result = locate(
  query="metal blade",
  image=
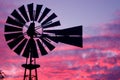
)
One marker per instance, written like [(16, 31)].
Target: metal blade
[(42, 49), (12, 29), (18, 16), (49, 45), (38, 9), (54, 24), (13, 22), (20, 47), (45, 12), (30, 10), (24, 13), (12, 36), (13, 43), (51, 17), (69, 31), (26, 52), (34, 52)]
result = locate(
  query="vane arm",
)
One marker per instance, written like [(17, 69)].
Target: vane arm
[(33, 16), (41, 26), (38, 27)]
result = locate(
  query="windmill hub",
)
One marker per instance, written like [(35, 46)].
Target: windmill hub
[(32, 29)]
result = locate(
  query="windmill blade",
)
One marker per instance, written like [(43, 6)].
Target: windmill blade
[(51, 17), (45, 12), (54, 24), (69, 31), (13, 43), (14, 22), (16, 15), (42, 49), (20, 47), (30, 49), (24, 13), (34, 52), (49, 45), (26, 52), (12, 35), (12, 29), (30, 10), (38, 9), (76, 41)]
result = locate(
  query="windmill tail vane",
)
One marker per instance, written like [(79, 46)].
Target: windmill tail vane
[(29, 32)]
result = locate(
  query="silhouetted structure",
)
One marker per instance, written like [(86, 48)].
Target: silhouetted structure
[(39, 38), (2, 75)]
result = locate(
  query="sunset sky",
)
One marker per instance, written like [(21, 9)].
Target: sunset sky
[(99, 59)]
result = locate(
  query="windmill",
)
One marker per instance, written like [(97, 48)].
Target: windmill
[(28, 32)]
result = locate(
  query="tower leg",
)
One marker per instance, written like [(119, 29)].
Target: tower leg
[(25, 70), (36, 74), (30, 71), (30, 75), (24, 74), (35, 70)]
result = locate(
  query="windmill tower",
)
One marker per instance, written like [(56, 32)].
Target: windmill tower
[(27, 32)]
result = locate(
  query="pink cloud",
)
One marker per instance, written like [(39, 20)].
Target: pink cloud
[(98, 57)]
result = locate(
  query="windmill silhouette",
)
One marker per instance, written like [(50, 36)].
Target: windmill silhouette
[(28, 32)]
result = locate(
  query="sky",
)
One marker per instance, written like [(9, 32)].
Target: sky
[(99, 59)]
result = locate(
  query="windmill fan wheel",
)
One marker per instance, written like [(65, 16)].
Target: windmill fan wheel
[(28, 31), (24, 30)]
